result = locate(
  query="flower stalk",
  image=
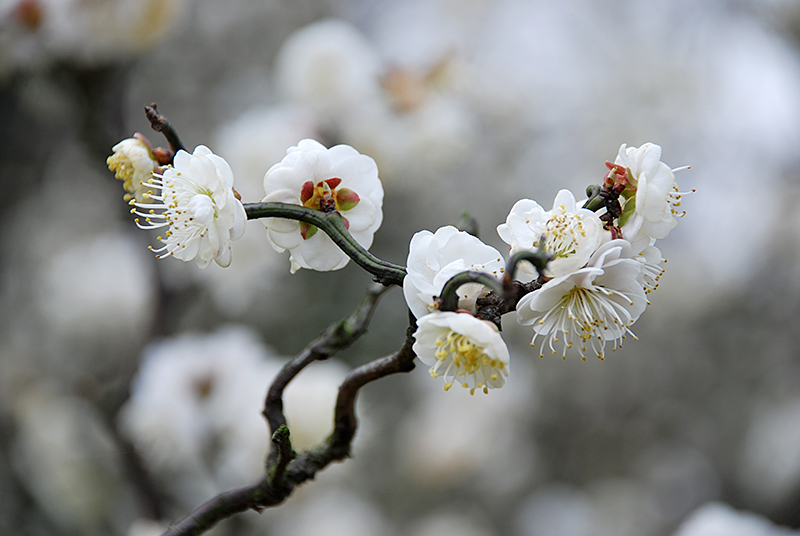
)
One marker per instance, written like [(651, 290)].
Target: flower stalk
[(448, 300)]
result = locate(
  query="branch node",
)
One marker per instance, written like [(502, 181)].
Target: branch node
[(285, 455)]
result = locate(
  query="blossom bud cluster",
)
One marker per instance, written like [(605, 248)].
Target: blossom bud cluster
[(602, 264)]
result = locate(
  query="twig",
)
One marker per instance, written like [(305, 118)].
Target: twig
[(159, 123), (346, 423), (448, 300)]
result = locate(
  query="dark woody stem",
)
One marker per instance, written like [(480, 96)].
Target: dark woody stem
[(338, 336), (332, 224), (159, 123), (538, 258), (448, 301), (288, 470)]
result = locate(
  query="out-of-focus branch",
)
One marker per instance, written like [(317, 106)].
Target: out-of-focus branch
[(277, 485), (384, 272), (337, 337), (162, 124)]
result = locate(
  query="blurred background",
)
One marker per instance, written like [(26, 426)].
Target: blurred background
[(131, 388)]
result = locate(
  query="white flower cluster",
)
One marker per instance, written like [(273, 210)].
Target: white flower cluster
[(192, 401), (602, 258), (39, 32), (592, 290), (195, 201)]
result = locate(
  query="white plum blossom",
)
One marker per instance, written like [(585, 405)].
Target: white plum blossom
[(338, 179), (571, 234), (592, 305), (651, 260), (433, 258), (133, 163), (330, 67), (37, 32), (191, 409), (462, 349), (198, 206), (651, 199)]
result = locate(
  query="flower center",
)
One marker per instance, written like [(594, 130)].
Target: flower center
[(326, 196), (202, 208), (590, 317), (563, 232), (457, 351)]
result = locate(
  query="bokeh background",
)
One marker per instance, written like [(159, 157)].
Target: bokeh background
[(130, 388)]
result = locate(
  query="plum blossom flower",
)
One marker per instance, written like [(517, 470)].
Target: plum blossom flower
[(329, 67), (571, 234), (190, 410), (651, 259), (133, 163), (337, 179), (463, 349), (433, 258), (651, 199), (198, 206), (592, 305), (38, 32)]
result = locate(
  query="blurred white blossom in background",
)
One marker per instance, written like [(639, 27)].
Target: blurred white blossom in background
[(90, 32), (463, 105), (194, 413), (716, 519)]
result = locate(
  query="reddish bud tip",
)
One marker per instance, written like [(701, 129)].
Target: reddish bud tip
[(30, 14), (163, 156), (307, 191)]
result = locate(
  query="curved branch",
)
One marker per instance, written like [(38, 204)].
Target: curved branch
[(337, 337), (448, 301), (273, 489), (332, 224), (345, 423), (538, 259)]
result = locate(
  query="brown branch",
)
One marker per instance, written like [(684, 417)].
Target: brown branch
[(159, 123), (337, 337), (493, 306), (277, 485), (346, 423)]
